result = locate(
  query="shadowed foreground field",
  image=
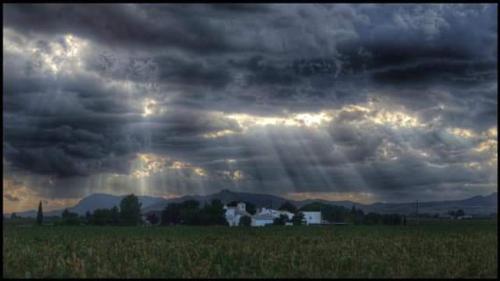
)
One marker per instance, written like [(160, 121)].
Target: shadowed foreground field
[(453, 249)]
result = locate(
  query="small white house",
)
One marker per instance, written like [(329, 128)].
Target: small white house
[(262, 220), (234, 214), (312, 217)]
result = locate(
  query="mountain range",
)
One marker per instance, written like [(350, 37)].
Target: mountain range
[(477, 205)]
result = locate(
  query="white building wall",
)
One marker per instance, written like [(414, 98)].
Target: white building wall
[(261, 222), (312, 217), (236, 220), (231, 217), (242, 206), (288, 214)]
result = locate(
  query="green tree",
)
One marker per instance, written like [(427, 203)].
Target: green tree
[(152, 218), (245, 221), (65, 213), (372, 218), (352, 215), (250, 208), (39, 215), (214, 213), (114, 216), (130, 210), (70, 218), (281, 220), (287, 206), (171, 214), (189, 213), (358, 216), (298, 219), (232, 203), (101, 217), (88, 217), (13, 216), (329, 213), (391, 219)]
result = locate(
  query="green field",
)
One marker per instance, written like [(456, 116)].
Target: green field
[(452, 249)]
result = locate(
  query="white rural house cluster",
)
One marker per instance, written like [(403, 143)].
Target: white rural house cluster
[(234, 214), (265, 216)]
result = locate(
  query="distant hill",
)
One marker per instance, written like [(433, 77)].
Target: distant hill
[(226, 196), (477, 205), (100, 200), (93, 202)]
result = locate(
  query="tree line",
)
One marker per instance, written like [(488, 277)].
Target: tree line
[(340, 214), (190, 212), (129, 213)]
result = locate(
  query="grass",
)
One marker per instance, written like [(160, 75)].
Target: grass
[(451, 250)]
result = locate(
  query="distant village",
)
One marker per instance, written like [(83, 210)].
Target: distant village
[(265, 216)]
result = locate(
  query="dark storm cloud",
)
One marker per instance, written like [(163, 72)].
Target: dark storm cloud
[(116, 25), (192, 73), (163, 79)]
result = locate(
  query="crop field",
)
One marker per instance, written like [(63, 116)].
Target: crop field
[(452, 249)]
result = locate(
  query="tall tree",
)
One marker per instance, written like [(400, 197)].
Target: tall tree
[(88, 217), (214, 213), (250, 208), (352, 214), (130, 210), (190, 212), (171, 214), (245, 221), (287, 206), (152, 218), (298, 219), (39, 215), (101, 217), (232, 203), (281, 220), (114, 215), (70, 218)]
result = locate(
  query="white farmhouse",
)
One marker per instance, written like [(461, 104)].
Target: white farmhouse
[(312, 217), (234, 214), (275, 213), (265, 216)]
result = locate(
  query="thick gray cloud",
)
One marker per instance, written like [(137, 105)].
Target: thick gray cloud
[(398, 101)]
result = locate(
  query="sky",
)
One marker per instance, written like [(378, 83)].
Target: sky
[(361, 102)]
